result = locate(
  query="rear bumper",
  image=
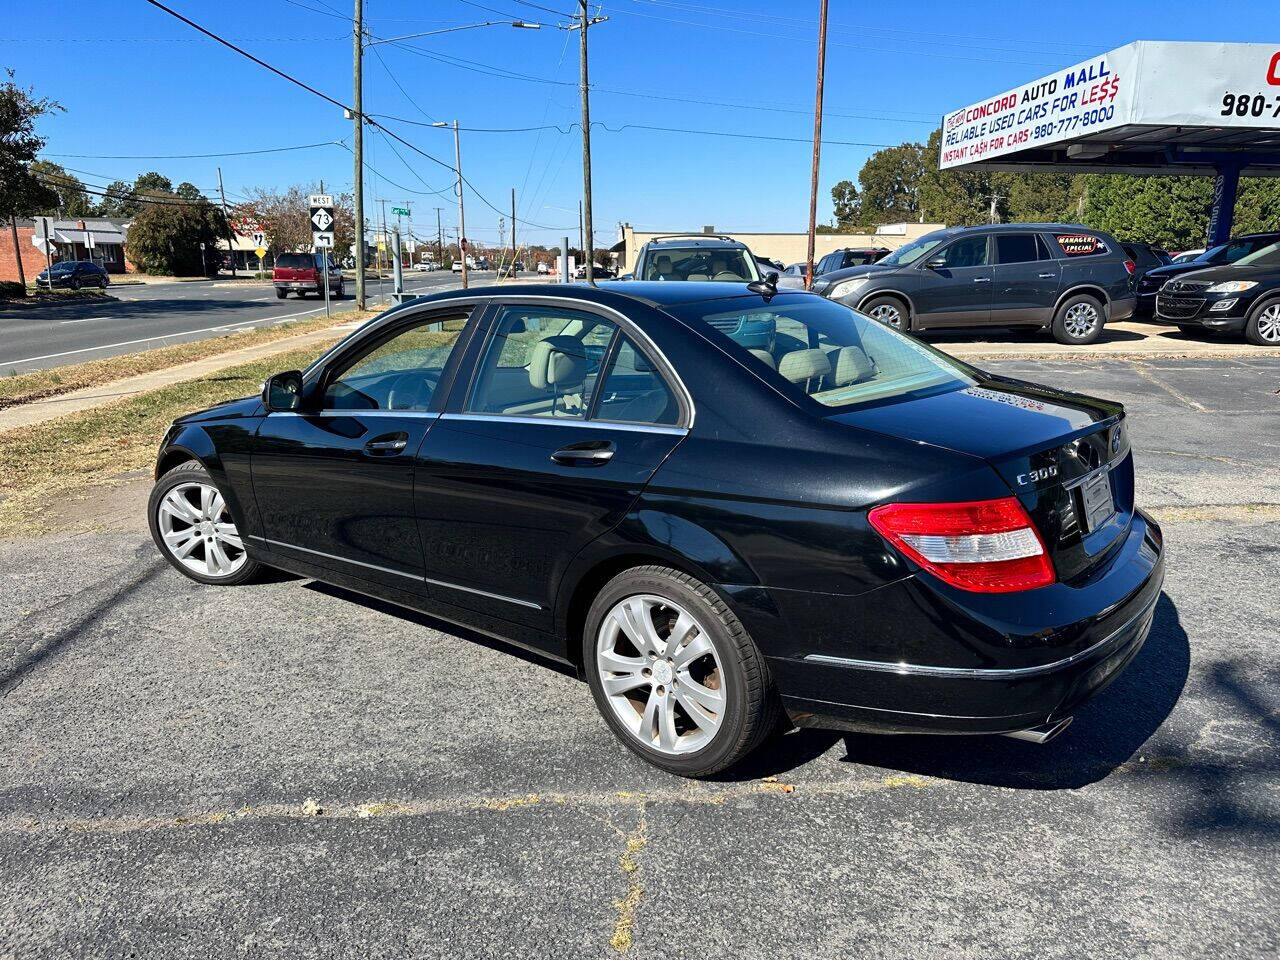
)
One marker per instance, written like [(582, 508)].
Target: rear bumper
[(838, 691), (1122, 308)]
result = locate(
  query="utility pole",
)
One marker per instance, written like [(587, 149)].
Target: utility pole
[(580, 233), (462, 217), (993, 217), (17, 256), (584, 20), (357, 116), (817, 144), (231, 245), (439, 241), (513, 231), (386, 245)]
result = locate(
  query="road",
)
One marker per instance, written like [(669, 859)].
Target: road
[(155, 315), (161, 741)]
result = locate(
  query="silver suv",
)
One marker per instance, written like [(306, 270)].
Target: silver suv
[(698, 257)]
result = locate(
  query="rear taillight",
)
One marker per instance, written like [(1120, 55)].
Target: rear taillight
[(988, 546), (1129, 265)]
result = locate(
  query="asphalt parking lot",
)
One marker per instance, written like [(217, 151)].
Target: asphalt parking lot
[(288, 770)]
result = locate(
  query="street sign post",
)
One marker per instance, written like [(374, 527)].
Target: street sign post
[(322, 235)]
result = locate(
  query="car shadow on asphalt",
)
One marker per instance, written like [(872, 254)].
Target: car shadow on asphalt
[(1000, 336), (1105, 733)]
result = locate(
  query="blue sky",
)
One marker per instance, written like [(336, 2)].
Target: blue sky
[(135, 81)]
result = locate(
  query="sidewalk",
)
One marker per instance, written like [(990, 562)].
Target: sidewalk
[(50, 408)]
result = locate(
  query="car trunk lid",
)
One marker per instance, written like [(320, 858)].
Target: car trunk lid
[(295, 266), (1064, 456)]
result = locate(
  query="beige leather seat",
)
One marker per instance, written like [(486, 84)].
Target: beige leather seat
[(766, 358), (806, 368), (850, 365), (558, 365)]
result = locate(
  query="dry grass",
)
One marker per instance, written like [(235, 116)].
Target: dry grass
[(94, 447), (26, 387)]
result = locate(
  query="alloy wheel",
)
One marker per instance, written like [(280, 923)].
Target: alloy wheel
[(198, 531), (661, 674), (1080, 320), (1269, 324), (888, 314)]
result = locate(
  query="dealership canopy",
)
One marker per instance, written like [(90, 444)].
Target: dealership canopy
[(1148, 107)]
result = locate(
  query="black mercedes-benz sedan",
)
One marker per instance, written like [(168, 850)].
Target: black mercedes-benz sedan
[(718, 503)]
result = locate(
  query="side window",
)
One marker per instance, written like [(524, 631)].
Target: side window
[(1042, 248), (824, 265), (399, 374), (1016, 248), (540, 362), (632, 391), (967, 252)]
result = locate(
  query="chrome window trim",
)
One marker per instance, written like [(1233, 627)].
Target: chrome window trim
[(626, 324), (336, 412), (982, 673), (569, 422), (399, 573)]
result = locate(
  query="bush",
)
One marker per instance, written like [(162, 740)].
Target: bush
[(12, 290)]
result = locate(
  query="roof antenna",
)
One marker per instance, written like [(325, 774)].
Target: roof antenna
[(767, 288)]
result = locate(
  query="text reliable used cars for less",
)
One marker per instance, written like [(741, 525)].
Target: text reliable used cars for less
[(1068, 278), (845, 524)]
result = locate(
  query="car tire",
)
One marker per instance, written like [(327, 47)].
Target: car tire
[(342, 290), (1079, 320), (281, 294), (102, 283), (1263, 328), (193, 529), (890, 311), (75, 283), (736, 711)]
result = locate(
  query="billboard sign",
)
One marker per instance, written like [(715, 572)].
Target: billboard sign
[(1147, 83)]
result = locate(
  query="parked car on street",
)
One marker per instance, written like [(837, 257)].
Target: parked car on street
[(1187, 255), (426, 266), (847, 526), (698, 257), (1222, 255), (848, 257), (301, 273), (1229, 298), (597, 272), (1068, 278), (75, 274), (544, 268), (456, 267)]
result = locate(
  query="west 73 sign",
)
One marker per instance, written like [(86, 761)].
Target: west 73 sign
[(1145, 84), (322, 220)]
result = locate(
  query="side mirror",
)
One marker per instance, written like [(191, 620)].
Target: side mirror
[(625, 276), (283, 391), (937, 264)]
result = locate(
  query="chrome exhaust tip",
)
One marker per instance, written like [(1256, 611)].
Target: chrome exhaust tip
[(1043, 733)]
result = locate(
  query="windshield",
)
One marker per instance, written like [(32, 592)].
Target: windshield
[(700, 263), (824, 350), (295, 261), (64, 266), (1265, 257), (913, 251), (1233, 250)]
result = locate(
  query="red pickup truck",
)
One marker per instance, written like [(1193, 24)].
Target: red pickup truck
[(300, 273)]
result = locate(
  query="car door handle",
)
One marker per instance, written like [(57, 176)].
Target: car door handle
[(1047, 276), (388, 443), (981, 279), (592, 453)]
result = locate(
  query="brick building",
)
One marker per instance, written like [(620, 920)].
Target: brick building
[(68, 239)]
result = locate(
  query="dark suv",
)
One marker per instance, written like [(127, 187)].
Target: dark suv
[(1150, 283), (1230, 298), (1067, 277), (849, 257)]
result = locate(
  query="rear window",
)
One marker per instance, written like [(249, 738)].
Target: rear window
[(295, 261), (699, 263), (1081, 244), (821, 349)]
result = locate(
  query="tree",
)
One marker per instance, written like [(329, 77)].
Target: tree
[(22, 193), (890, 182), (285, 218), (167, 232), (117, 201), (189, 191), (847, 205), (72, 200), (152, 181)]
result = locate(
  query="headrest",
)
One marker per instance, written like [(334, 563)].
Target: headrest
[(557, 362), (765, 357), (664, 263), (852, 365), (801, 365)]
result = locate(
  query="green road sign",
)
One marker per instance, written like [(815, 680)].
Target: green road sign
[(400, 211)]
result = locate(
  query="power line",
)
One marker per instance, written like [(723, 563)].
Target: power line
[(190, 156), (325, 13), (412, 102)]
